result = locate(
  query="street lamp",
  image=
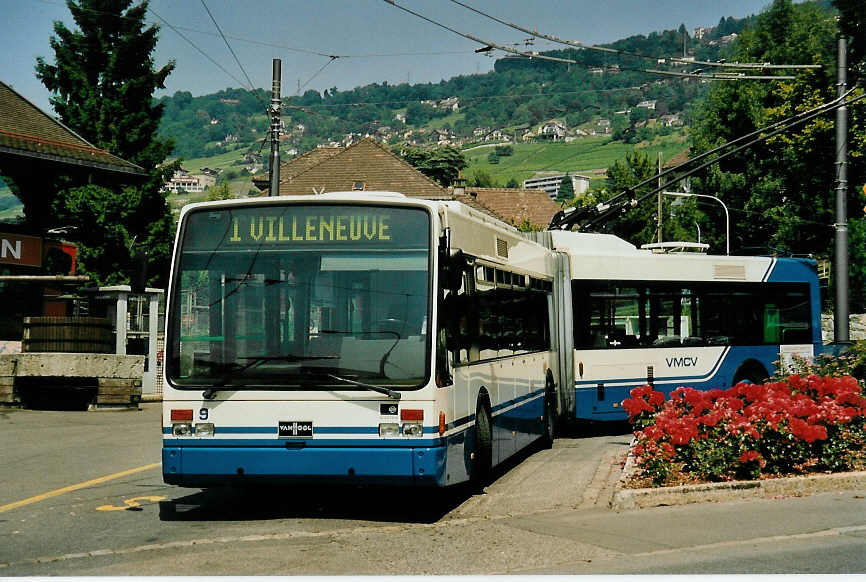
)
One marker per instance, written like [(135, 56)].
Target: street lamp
[(727, 216)]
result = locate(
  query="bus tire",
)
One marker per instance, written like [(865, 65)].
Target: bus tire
[(752, 373), (482, 463), (549, 426)]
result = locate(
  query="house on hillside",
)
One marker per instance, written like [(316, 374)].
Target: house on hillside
[(495, 135), (451, 103), (183, 181), (671, 120), (553, 130)]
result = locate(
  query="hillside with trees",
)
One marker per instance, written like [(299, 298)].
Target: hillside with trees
[(598, 95)]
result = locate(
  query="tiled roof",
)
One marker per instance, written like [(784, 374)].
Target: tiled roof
[(27, 131), (297, 166), (512, 205), (678, 159), (367, 162)]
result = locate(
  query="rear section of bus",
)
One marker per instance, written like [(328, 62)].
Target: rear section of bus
[(299, 344)]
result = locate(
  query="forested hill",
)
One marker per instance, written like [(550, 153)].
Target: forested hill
[(516, 97)]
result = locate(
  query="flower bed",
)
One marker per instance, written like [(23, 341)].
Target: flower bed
[(796, 426)]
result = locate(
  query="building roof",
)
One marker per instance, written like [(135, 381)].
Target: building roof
[(680, 158), (26, 131), (297, 165), (364, 162), (513, 205)]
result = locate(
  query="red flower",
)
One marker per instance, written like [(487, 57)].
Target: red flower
[(643, 399), (749, 456), (808, 432)]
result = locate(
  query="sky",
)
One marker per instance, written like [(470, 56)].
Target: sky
[(374, 40)]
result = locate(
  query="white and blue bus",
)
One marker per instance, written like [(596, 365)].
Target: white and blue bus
[(629, 316), (354, 338)]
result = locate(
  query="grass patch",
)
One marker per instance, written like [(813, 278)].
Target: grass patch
[(589, 156)]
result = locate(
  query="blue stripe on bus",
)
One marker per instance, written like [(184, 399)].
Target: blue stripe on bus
[(513, 401)]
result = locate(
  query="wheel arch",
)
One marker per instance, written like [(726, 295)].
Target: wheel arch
[(751, 370)]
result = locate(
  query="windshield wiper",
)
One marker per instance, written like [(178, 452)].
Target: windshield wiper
[(256, 360), (373, 387)]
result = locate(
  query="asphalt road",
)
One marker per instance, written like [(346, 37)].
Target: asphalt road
[(81, 493)]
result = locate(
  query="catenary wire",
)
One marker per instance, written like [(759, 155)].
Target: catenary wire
[(487, 43), (231, 50), (629, 53)]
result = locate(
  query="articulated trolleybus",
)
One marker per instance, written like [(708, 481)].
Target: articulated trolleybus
[(636, 316), (354, 338)]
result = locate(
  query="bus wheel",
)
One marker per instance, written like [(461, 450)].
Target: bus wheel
[(482, 463), (549, 421), (751, 373)]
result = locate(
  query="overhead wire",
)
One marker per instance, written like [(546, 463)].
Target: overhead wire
[(231, 50), (487, 44), (271, 44), (568, 218), (195, 46), (577, 44)]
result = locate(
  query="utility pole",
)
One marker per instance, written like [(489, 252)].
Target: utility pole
[(840, 269), (659, 220), (274, 189)]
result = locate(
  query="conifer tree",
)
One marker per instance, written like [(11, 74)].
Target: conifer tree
[(566, 188), (102, 82)]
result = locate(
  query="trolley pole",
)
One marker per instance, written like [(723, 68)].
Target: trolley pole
[(274, 189), (840, 269), (659, 219)]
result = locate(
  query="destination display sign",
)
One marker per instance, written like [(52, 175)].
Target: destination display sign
[(287, 226)]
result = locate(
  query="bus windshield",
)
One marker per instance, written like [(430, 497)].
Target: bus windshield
[(294, 296)]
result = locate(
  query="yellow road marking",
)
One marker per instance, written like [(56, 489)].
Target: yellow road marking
[(132, 502), (75, 487)]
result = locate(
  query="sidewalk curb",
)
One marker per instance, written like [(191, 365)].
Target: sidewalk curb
[(624, 499)]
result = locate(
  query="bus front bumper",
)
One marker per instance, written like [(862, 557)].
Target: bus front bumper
[(211, 466)]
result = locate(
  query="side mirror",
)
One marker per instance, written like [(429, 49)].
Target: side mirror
[(453, 268), (138, 281)]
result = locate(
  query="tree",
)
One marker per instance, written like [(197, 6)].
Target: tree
[(566, 188), (638, 224), (219, 192), (781, 192), (441, 164), (481, 179), (852, 23), (102, 84)]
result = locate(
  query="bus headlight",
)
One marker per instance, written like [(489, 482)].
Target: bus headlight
[(204, 429), (181, 429), (413, 429), (389, 429)]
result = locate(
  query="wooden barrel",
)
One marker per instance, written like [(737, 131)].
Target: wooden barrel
[(68, 334)]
